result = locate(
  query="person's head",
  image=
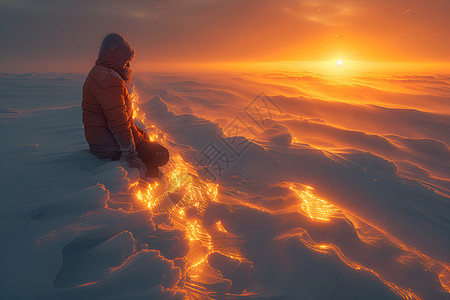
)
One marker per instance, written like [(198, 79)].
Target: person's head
[(116, 53)]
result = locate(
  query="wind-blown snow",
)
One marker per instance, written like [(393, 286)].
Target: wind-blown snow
[(340, 191)]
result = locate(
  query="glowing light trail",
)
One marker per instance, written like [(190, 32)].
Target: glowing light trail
[(322, 211), (180, 191)]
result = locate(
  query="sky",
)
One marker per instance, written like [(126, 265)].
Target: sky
[(54, 35)]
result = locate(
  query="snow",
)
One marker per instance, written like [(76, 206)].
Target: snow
[(340, 191)]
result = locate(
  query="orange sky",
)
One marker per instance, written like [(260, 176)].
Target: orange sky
[(52, 35)]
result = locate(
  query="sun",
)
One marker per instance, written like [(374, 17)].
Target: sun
[(339, 62)]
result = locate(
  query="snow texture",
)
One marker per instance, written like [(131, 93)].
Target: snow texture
[(381, 158)]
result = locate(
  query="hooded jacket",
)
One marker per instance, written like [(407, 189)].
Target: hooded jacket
[(107, 108)]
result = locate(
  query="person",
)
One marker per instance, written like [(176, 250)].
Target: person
[(108, 113)]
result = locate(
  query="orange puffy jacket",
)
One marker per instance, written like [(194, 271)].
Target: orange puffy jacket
[(108, 114)]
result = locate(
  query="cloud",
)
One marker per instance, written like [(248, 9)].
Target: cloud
[(52, 34)]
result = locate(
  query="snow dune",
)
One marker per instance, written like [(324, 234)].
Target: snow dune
[(319, 188)]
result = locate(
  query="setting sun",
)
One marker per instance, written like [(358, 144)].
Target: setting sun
[(339, 62)]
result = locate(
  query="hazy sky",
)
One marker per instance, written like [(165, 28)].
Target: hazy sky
[(62, 35)]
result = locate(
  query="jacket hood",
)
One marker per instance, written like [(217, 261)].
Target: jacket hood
[(115, 52)]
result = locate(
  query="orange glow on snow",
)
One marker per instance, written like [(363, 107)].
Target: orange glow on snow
[(179, 192), (315, 208), (220, 227), (321, 210)]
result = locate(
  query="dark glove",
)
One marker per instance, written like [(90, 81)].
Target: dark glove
[(135, 161)]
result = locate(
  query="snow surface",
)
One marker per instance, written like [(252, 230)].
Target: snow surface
[(374, 147)]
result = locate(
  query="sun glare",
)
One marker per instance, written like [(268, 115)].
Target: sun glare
[(339, 62)]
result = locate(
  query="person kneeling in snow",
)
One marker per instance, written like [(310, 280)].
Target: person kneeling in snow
[(108, 114)]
